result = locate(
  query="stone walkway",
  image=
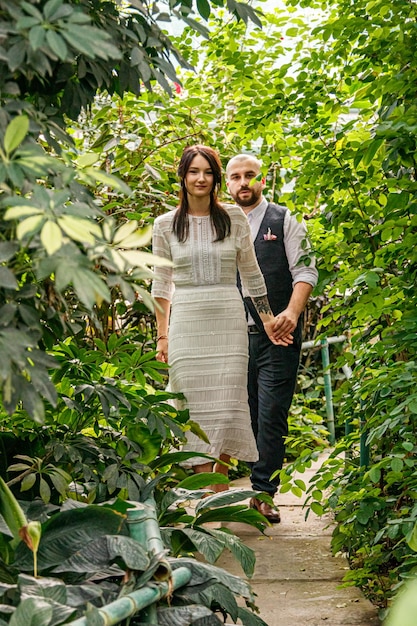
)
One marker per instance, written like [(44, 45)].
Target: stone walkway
[(297, 580)]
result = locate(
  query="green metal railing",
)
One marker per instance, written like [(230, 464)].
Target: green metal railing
[(323, 344)]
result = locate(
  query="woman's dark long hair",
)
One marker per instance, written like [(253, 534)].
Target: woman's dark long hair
[(218, 215)]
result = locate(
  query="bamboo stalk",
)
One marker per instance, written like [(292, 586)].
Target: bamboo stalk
[(136, 601)]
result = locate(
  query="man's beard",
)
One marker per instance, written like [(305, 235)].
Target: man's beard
[(248, 200)]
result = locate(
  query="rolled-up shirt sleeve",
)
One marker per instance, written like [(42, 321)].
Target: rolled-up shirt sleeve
[(301, 260), (162, 283)]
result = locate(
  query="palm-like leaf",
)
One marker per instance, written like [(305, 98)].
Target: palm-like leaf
[(224, 498), (204, 574), (239, 513)]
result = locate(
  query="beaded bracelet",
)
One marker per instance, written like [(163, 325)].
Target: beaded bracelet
[(161, 337)]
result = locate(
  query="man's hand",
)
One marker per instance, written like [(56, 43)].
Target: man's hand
[(285, 323)]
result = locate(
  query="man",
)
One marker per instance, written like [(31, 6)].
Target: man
[(282, 248)]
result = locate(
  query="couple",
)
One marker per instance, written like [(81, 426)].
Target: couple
[(204, 326)]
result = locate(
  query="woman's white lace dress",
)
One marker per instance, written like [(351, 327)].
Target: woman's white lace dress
[(208, 343)]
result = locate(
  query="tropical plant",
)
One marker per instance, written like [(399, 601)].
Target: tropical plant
[(75, 559)]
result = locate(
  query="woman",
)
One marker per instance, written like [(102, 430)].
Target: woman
[(203, 334)]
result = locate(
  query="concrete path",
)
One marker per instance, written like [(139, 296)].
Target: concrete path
[(297, 580)]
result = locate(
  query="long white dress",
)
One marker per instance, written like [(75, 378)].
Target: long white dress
[(208, 342)]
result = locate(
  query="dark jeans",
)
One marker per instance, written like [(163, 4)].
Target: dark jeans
[(271, 383)]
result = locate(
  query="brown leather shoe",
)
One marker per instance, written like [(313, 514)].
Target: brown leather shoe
[(271, 513)]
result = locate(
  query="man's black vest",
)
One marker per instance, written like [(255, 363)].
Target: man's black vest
[(272, 259)]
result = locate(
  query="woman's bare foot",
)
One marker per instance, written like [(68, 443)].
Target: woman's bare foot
[(220, 468)]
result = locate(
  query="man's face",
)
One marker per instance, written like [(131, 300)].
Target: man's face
[(239, 177)]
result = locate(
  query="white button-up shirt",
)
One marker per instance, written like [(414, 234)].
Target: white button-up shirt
[(296, 245), (295, 233)]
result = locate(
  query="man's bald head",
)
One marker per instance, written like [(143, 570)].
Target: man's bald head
[(243, 158)]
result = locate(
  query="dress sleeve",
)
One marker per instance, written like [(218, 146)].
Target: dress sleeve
[(253, 283), (162, 284)]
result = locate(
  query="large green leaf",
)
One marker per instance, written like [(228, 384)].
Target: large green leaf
[(7, 278), (52, 8), (7, 250), (16, 131), (239, 513), (219, 595), (37, 36), (207, 545), (65, 532), (89, 287), (404, 607), (11, 511), (224, 498), (84, 231), (244, 555), (249, 618), (57, 44), (203, 479), (32, 612), (22, 210), (150, 443), (51, 236), (52, 590), (98, 554), (29, 227), (204, 574), (203, 8), (93, 175), (412, 538)]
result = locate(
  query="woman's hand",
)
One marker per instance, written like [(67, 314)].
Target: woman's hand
[(162, 350), (285, 340)]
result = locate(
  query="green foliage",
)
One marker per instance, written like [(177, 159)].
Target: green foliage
[(108, 423), (306, 428), (328, 103), (66, 262), (374, 506), (85, 417), (114, 562), (112, 435)]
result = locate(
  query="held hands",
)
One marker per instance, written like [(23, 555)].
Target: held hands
[(280, 328), (277, 338), (284, 323)]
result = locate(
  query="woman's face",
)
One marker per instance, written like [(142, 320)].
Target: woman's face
[(199, 179)]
